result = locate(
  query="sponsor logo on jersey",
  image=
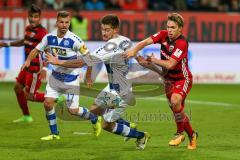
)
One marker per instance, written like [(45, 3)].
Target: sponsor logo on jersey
[(59, 51), (171, 47), (177, 53)]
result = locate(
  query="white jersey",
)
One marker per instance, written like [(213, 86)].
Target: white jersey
[(117, 68), (67, 48)]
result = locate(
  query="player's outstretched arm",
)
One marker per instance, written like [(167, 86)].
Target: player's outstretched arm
[(89, 81), (14, 43), (53, 59), (143, 62), (30, 57), (133, 52), (168, 64)]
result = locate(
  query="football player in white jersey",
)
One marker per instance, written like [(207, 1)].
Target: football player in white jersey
[(66, 45), (117, 95)]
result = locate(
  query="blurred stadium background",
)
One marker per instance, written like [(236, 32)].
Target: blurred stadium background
[(213, 30)]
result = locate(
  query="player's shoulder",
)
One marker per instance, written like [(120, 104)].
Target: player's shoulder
[(42, 28), (162, 33), (73, 36), (119, 39), (181, 40)]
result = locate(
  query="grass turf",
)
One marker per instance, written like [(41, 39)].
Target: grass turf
[(217, 123)]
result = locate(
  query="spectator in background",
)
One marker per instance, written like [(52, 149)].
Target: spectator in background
[(234, 5), (207, 5), (228, 6), (58, 4), (2, 3), (14, 3), (94, 5), (41, 4), (79, 25), (180, 5), (136, 5), (49, 3), (163, 5), (112, 5), (192, 5), (75, 5)]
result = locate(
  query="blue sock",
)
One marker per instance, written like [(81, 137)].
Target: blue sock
[(122, 121), (51, 117), (126, 131), (84, 113)]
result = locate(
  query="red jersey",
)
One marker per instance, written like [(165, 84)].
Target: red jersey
[(176, 49), (31, 39)]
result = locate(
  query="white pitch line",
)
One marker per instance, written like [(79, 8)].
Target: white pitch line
[(81, 133), (195, 102)]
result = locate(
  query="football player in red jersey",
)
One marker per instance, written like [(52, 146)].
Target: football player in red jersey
[(28, 81), (177, 76)]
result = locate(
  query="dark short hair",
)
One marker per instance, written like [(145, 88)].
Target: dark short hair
[(112, 20), (177, 18), (63, 14), (34, 9)]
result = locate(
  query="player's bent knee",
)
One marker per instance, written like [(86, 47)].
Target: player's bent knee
[(17, 88), (108, 126), (73, 111), (48, 104), (176, 100)]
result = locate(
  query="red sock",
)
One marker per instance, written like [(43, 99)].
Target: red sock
[(179, 119), (39, 97), (187, 126), (22, 101)]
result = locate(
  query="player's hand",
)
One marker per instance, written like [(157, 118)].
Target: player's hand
[(151, 58), (89, 82), (128, 54), (25, 65), (141, 60), (3, 44), (52, 59)]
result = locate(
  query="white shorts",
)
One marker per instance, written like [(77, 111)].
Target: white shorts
[(70, 90), (112, 115), (110, 99), (114, 111)]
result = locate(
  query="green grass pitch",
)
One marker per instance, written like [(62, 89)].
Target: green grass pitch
[(214, 111)]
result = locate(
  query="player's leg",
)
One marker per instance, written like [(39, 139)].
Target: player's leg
[(111, 116), (22, 101), (49, 102), (182, 120), (179, 116), (187, 125), (72, 103), (83, 112), (180, 90), (33, 83)]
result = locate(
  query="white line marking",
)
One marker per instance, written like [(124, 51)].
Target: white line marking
[(81, 133), (194, 102)]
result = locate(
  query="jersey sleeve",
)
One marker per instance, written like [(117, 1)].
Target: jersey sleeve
[(80, 47), (180, 50), (43, 44), (157, 37)]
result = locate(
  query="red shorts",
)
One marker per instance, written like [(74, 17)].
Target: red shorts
[(181, 87), (31, 81)]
